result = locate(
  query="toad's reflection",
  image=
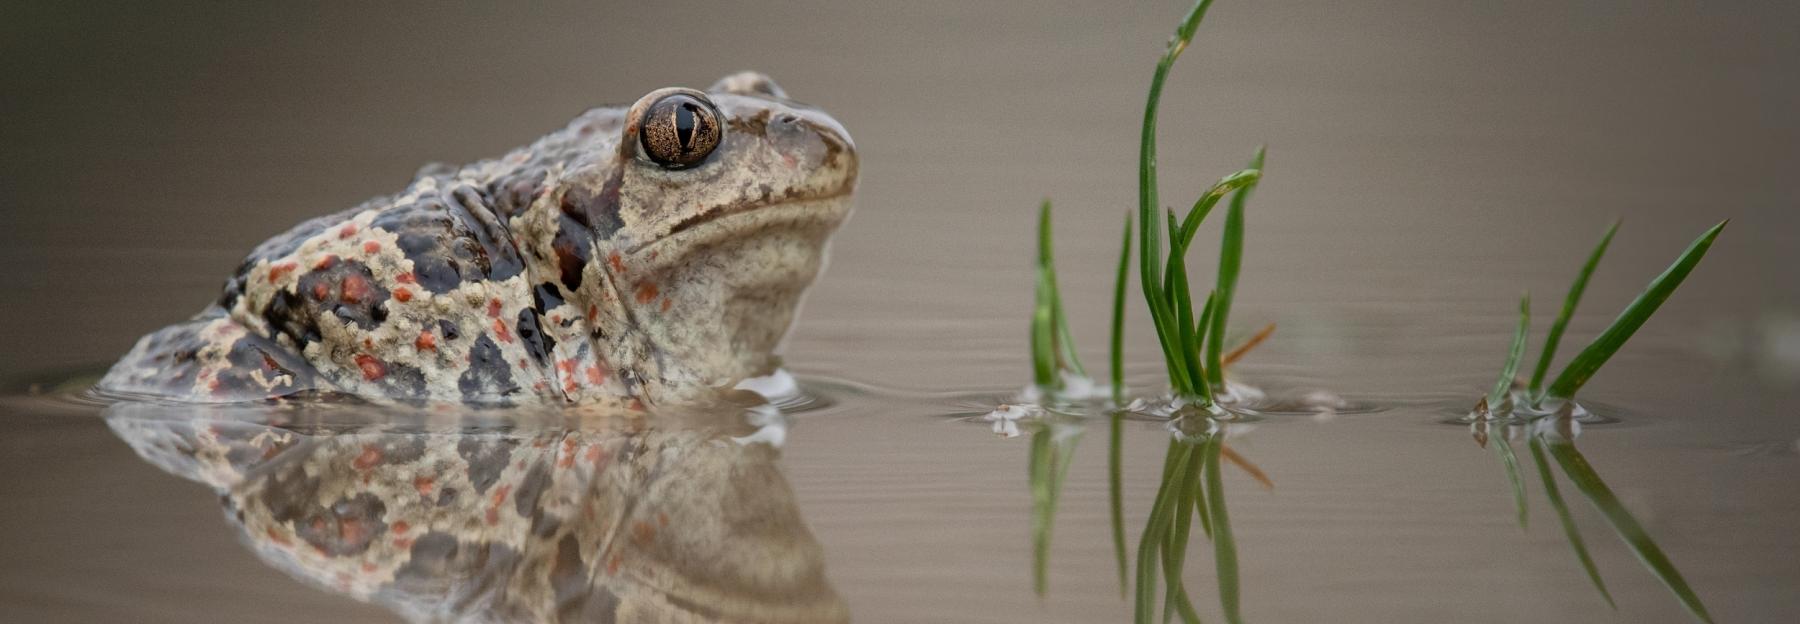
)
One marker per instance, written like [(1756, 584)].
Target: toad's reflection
[(611, 522)]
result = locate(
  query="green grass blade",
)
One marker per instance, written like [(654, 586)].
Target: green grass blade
[(1043, 337), (1576, 468), (1189, 384), (1150, 542), (1049, 466), (1231, 259), (1115, 482), (1175, 558), (1602, 348), (1066, 358), (1195, 351), (1505, 451), (1568, 522), (1118, 340), (1513, 355), (1204, 205), (1535, 389), (1147, 186), (1200, 510), (1115, 448), (1039, 468), (1224, 546)]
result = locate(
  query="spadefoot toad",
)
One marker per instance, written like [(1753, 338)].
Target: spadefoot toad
[(640, 255)]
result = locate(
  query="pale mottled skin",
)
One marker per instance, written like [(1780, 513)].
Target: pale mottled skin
[(615, 519), (572, 270)]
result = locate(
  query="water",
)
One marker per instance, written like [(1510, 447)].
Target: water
[(1427, 162)]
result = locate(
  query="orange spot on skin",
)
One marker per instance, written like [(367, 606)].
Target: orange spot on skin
[(400, 526), (501, 332), (347, 231), (320, 291), (370, 456), (493, 512), (617, 263), (566, 367), (642, 532), (595, 376), (593, 312), (330, 260), (372, 369), (354, 289), (281, 270), (665, 304), (646, 292), (494, 308), (372, 247), (406, 278), (425, 342), (566, 458), (402, 295), (423, 485), (369, 343), (593, 454), (278, 538)]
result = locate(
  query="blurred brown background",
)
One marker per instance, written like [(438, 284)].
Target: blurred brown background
[(1427, 161)]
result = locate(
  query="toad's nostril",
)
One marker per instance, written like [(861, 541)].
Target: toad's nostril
[(788, 119)]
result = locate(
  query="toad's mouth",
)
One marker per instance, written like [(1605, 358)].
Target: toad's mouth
[(817, 215)]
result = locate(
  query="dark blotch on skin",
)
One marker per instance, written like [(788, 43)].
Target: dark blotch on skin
[(450, 242), (448, 330), (545, 297), (573, 250), (403, 381), (578, 598), (253, 357), (347, 527), (487, 459), (288, 495), (598, 213), (515, 192), (539, 344), (349, 291), (489, 377), (530, 488), (440, 568), (287, 315)]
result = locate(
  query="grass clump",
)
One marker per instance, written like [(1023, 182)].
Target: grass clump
[(1553, 433)]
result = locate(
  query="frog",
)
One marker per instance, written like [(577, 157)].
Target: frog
[(640, 255), (610, 516)]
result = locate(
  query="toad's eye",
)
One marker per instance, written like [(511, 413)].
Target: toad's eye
[(679, 130)]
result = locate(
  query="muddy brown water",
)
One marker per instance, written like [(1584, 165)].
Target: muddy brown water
[(1428, 161)]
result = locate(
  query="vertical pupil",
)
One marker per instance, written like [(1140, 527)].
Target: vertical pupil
[(684, 125)]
